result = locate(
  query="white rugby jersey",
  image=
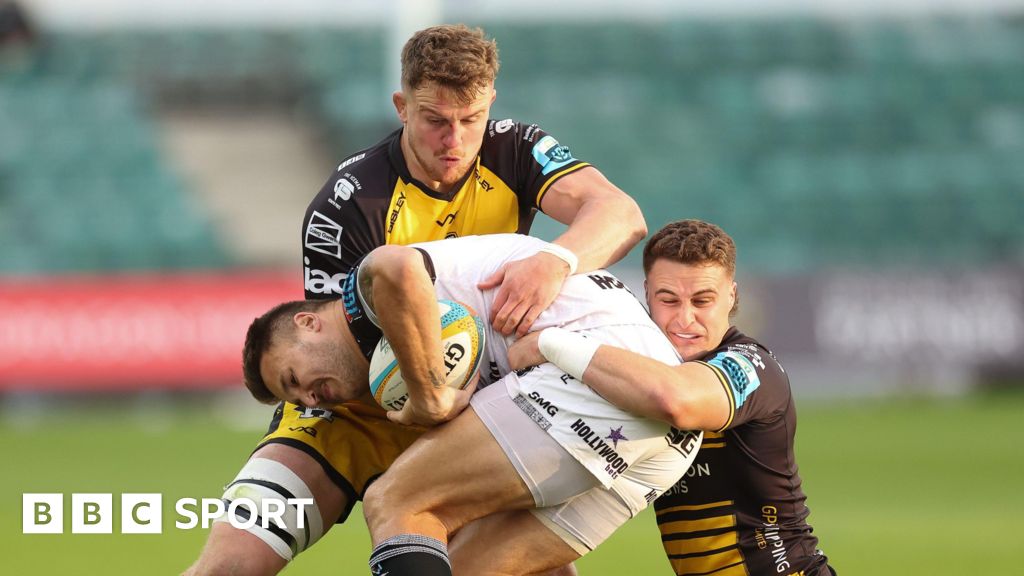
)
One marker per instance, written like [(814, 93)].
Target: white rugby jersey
[(589, 300), (601, 436)]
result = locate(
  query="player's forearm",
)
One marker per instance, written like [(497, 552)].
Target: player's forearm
[(404, 301), (604, 222), (634, 383), (687, 396), (604, 230)]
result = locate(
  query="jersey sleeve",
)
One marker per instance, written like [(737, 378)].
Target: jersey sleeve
[(341, 226), (753, 380), (539, 159)]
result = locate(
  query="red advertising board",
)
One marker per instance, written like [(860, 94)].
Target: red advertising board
[(131, 331)]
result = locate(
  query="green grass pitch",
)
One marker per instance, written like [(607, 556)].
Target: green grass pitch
[(895, 486)]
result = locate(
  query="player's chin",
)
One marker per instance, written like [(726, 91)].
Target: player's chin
[(689, 349), (451, 176)]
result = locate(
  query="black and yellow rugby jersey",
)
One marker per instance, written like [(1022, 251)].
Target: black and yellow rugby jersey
[(740, 509), (371, 199)]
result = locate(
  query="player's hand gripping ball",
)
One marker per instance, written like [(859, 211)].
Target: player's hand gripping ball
[(462, 340)]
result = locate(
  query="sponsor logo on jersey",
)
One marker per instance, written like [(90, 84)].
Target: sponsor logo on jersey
[(685, 441), (349, 298), (615, 434), (321, 413), (616, 464), (531, 132), (448, 219), (531, 411), (544, 404), (739, 371), (768, 538), (343, 189), (698, 469), (502, 126), (320, 282), (323, 235), (394, 213), (551, 155), (487, 186), (350, 161), (608, 282)]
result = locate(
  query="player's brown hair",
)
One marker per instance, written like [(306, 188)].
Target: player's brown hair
[(692, 242), (454, 56), (263, 332)]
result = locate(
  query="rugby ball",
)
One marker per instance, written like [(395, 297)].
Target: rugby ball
[(462, 341)]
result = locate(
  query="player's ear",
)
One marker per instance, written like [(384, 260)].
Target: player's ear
[(308, 321), (647, 294), (401, 105)]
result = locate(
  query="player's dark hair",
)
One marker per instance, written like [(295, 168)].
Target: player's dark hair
[(454, 56), (263, 332), (693, 242)]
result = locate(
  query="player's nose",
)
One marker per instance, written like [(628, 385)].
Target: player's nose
[(452, 138), (687, 315), (309, 399)]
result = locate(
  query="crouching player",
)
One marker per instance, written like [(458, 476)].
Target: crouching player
[(553, 467)]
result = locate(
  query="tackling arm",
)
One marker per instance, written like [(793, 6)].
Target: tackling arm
[(604, 224), (689, 396)]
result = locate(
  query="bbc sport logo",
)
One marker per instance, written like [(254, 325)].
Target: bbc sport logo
[(93, 513)]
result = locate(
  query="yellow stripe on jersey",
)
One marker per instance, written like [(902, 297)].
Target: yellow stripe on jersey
[(484, 205), (728, 392), (689, 526), (544, 188), (689, 507), (702, 544), (729, 563)]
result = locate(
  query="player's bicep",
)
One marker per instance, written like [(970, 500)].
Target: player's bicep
[(564, 198), (751, 386), (703, 402)]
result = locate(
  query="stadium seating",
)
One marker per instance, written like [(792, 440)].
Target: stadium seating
[(815, 142)]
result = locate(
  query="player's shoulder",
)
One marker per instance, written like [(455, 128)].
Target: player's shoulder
[(741, 356), (370, 161), (368, 172), (510, 133)]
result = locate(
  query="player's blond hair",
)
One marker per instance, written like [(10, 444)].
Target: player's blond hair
[(453, 56), (693, 242)]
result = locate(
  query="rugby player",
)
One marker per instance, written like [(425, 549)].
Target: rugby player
[(740, 509), (448, 171), (564, 466)]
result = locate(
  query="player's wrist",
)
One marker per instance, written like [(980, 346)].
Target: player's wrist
[(570, 351), (563, 254)]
